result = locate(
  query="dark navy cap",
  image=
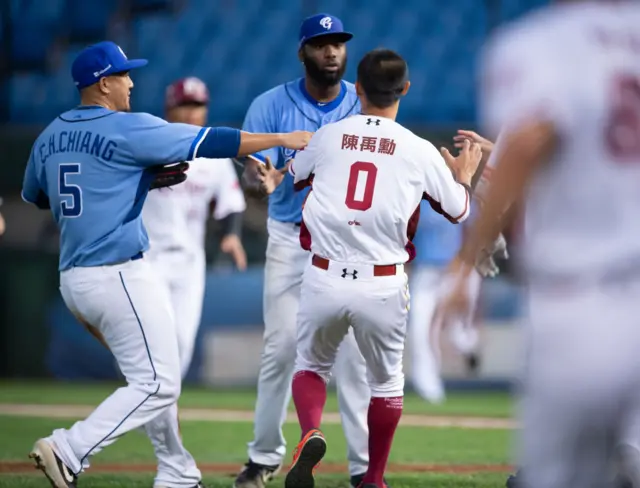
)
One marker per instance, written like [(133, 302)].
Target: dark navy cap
[(322, 25), (99, 60)]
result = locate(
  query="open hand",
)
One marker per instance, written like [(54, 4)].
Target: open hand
[(465, 165), (269, 177), (485, 144)]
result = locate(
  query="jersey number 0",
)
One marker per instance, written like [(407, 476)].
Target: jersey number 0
[(361, 200), (70, 194)]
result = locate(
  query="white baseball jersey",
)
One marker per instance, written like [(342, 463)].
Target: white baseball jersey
[(577, 65), (176, 217), (368, 176)]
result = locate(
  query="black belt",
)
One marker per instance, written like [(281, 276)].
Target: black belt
[(297, 224), (135, 257)]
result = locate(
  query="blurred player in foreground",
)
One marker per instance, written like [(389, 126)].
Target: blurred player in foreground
[(368, 175), (569, 152), (176, 219), (307, 103), (93, 167)]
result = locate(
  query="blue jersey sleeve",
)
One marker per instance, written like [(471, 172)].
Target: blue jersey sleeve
[(154, 141), (32, 190), (260, 118)]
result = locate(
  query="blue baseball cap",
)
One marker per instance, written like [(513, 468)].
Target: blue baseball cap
[(322, 25), (99, 60)]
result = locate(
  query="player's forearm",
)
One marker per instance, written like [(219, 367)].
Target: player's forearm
[(252, 143), (232, 224), (524, 151)]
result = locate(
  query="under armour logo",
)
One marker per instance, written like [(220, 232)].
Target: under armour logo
[(353, 275), (326, 22), (371, 121)]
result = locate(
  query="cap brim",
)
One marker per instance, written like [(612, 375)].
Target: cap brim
[(134, 63), (343, 36)]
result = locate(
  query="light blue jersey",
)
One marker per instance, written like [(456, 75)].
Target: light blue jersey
[(90, 166), (437, 240), (287, 108)]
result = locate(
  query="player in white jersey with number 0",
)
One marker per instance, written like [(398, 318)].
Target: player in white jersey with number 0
[(563, 87), (368, 175), (176, 219)]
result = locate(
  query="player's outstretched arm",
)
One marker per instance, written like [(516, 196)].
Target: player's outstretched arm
[(153, 141), (251, 143)]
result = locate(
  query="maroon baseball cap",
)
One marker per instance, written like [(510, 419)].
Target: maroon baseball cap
[(185, 91)]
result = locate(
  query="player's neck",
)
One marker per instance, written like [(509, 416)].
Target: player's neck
[(321, 93), (386, 113), (89, 100)]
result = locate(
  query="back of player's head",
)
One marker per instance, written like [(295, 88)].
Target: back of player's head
[(383, 75)]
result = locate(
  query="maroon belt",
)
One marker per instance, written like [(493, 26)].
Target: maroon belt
[(378, 269)]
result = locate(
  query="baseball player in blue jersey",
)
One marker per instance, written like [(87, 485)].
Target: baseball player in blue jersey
[(93, 166), (437, 242), (308, 103)]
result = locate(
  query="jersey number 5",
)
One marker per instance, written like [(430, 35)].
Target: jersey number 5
[(622, 134), (70, 195), (361, 200)]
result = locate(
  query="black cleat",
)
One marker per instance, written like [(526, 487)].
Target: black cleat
[(255, 475)]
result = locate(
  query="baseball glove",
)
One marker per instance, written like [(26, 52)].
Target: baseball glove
[(169, 175)]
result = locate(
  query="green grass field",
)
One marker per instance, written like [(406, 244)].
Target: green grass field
[(447, 456)]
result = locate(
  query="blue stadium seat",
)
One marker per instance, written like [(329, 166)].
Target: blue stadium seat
[(31, 41), (88, 22), (137, 7), (242, 48)]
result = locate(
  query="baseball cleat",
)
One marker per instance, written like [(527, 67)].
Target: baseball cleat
[(357, 481), (512, 480), (255, 475), (306, 458), (58, 473)]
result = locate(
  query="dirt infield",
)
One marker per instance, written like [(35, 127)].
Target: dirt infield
[(210, 415), (232, 469)]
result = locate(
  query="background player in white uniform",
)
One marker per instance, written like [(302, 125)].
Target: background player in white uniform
[(368, 175), (436, 242), (176, 219), (92, 166), (563, 86), (308, 103)]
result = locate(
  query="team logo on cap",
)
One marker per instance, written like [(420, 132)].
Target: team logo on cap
[(326, 22), (194, 87)]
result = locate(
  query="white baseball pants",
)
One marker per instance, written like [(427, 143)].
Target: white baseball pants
[(375, 307), (129, 307), (184, 273), (582, 382), (428, 284), (285, 265)]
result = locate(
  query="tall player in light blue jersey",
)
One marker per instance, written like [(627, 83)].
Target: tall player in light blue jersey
[(307, 103), (92, 167), (437, 242)]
